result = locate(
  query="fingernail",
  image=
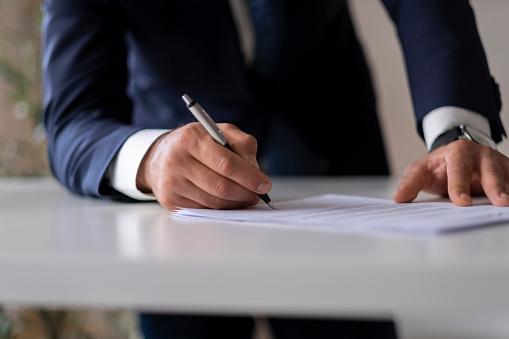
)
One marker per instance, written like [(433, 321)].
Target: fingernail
[(504, 195), (400, 187), (264, 187), (465, 196)]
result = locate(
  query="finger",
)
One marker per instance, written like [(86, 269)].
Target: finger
[(217, 185), (174, 201), (459, 176), (183, 202), (415, 179), (172, 188), (192, 192), (244, 144), (504, 162), (230, 165), (493, 179), (181, 187)]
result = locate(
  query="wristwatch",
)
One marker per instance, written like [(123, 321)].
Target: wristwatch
[(463, 132)]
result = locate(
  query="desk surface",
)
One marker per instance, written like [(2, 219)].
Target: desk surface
[(58, 249)]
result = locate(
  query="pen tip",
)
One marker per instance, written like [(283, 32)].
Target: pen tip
[(187, 99), (271, 206)]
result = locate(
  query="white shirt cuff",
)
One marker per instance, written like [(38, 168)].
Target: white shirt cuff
[(124, 167), (442, 119)]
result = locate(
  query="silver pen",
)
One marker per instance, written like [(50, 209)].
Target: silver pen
[(206, 121)]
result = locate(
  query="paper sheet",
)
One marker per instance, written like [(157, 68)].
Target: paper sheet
[(351, 213)]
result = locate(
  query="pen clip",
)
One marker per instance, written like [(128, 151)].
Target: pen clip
[(216, 133), (206, 121)]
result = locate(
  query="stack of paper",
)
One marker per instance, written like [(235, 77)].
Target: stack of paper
[(350, 213)]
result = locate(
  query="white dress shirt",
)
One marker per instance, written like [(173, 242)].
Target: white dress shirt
[(124, 167)]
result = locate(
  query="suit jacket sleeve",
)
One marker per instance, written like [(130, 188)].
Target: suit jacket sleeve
[(446, 63), (86, 110)]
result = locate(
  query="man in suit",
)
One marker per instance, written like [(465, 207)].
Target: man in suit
[(291, 79)]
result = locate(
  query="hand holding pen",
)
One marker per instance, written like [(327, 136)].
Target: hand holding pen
[(215, 132), (188, 168)]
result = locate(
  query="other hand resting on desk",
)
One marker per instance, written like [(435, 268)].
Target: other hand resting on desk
[(460, 169)]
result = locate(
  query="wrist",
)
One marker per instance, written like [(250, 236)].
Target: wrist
[(463, 132), (144, 175)]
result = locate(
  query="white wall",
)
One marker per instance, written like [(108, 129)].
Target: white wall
[(384, 53)]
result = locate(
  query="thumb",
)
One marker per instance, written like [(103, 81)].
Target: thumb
[(414, 180)]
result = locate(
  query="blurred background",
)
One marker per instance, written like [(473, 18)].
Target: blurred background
[(22, 141), (22, 147)]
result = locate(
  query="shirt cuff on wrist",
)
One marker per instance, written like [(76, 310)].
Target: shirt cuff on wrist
[(125, 165), (443, 119)]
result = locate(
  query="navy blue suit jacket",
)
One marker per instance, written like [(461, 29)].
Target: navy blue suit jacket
[(113, 67)]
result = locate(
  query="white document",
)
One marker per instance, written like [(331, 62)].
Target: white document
[(351, 213)]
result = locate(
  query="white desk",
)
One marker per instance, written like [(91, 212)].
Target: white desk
[(57, 249)]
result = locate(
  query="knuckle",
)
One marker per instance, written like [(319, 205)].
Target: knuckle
[(461, 165), (228, 126), (492, 167), (225, 165), (183, 136), (461, 145), (492, 170), (457, 162), (192, 127), (191, 130), (412, 169), (222, 189), (251, 141), (247, 141), (186, 129), (487, 152), (194, 137)]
